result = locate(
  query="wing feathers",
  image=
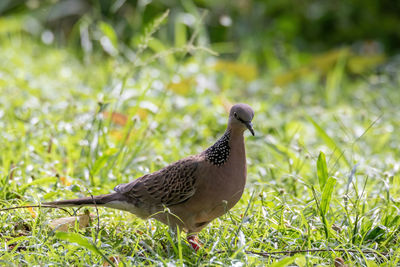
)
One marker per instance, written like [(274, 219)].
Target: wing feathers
[(169, 186)]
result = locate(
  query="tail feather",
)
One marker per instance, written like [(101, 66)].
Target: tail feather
[(86, 201)]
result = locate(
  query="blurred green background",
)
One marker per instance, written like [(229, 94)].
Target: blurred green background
[(96, 93), (250, 28), (284, 40)]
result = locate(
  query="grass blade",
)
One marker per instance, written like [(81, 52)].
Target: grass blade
[(40, 181), (327, 194), (322, 170), (284, 262), (81, 241)]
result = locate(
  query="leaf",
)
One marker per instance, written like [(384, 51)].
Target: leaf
[(322, 171), (83, 242), (41, 181), (49, 195), (13, 244), (67, 223), (371, 263), (18, 239), (301, 261), (376, 234), (79, 240), (284, 262), (327, 195)]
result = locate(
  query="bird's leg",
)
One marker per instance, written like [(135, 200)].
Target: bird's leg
[(194, 241)]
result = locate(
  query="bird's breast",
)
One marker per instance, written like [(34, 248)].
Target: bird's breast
[(218, 188), (224, 185)]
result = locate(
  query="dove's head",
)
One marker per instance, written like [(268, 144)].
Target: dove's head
[(241, 116)]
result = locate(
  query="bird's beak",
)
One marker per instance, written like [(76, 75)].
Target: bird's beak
[(249, 126)]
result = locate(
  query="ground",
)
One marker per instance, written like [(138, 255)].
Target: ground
[(73, 127)]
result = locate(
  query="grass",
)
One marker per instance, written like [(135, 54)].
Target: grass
[(59, 140)]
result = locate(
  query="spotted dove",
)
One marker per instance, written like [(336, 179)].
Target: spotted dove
[(191, 192)]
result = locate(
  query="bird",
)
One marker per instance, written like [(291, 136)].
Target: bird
[(187, 194)]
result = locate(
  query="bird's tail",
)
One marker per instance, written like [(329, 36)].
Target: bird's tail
[(86, 201)]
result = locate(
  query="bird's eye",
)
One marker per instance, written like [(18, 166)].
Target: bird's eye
[(238, 118)]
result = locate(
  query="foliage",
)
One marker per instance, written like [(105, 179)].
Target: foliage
[(265, 26), (323, 170)]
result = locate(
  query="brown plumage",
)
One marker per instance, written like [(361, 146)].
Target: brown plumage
[(196, 189)]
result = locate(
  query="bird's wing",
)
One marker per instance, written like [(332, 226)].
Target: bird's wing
[(171, 185)]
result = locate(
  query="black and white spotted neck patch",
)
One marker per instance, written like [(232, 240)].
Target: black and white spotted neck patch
[(218, 153)]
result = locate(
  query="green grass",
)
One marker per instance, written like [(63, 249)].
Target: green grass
[(52, 129)]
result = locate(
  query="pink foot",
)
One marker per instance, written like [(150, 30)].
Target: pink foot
[(194, 242)]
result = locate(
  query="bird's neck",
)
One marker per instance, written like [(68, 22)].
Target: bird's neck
[(236, 143), (231, 144)]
